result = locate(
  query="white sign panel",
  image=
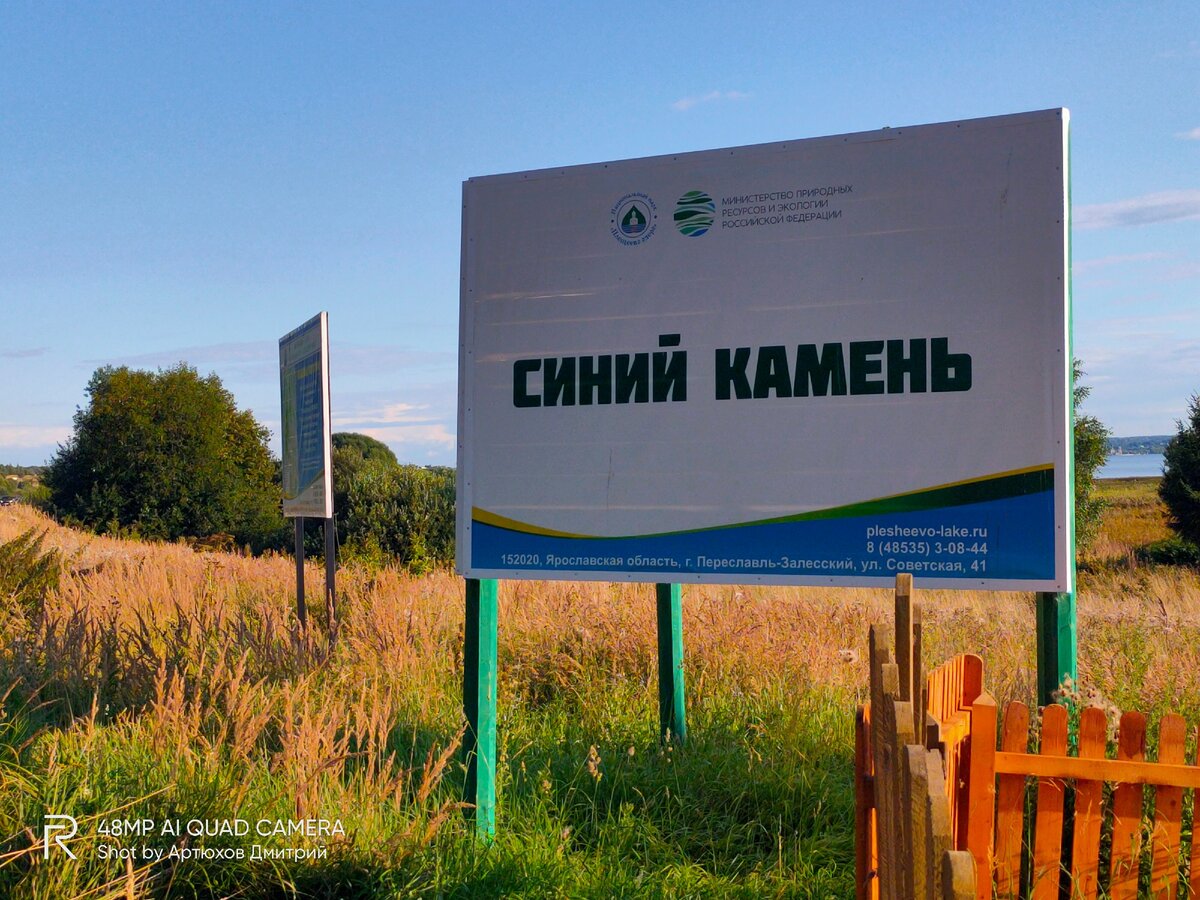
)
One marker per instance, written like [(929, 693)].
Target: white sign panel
[(822, 361), (304, 390)]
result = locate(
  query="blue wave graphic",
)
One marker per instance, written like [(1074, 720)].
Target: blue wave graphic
[(1005, 539)]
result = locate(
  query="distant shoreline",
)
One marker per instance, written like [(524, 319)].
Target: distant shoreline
[(1139, 444)]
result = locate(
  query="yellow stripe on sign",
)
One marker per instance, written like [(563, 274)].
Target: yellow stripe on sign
[(490, 518)]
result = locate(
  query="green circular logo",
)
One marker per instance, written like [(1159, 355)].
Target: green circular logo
[(694, 213)]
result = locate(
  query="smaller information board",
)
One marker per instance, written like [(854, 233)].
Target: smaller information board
[(304, 393)]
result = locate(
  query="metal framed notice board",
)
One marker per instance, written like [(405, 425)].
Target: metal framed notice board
[(822, 361)]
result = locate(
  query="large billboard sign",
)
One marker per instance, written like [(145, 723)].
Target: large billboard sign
[(304, 391), (822, 361)]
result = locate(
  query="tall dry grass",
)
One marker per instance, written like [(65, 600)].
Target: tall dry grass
[(127, 613), (192, 663), (1133, 518), (188, 666)]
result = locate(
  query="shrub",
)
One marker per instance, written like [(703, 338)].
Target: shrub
[(405, 513), (1174, 551), (387, 512), (28, 573)]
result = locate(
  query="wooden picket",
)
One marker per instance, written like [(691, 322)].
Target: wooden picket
[(1051, 800), (1010, 807), (953, 801), (1168, 810), (952, 688), (1089, 817)]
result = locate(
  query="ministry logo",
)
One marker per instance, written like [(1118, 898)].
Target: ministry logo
[(633, 219), (694, 213)]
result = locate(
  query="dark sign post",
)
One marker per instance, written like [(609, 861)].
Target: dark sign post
[(301, 607), (672, 718), (479, 702), (330, 572), (1056, 640)]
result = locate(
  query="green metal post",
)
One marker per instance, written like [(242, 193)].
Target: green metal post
[(672, 717), (1056, 640), (479, 704), (1056, 628)]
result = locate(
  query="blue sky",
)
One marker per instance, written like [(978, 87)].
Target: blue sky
[(189, 182)]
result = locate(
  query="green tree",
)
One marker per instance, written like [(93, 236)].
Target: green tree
[(401, 513), (167, 454), (352, 453), (1091, 450), (364, 445), (1180, 485)]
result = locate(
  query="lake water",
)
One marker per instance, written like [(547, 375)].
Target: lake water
[(1131, 465)]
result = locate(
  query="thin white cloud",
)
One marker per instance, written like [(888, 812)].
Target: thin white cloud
[(1104, 262), (1164, 206), (433, 443), (231, 352), (361, 359), (33, 435), (1191, 51), (1142, 369), (1165, 325), (683, 104), (419, 428), (23, 352), (1185, 271), (259, 360), (391, 414), (1193, 135), (405, 435)]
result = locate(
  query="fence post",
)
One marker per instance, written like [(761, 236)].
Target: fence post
[(864, 808), (959, 878), (904, 639), (916, 790)]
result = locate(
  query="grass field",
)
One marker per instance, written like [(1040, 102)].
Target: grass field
[(164, 684), (1135, 517)]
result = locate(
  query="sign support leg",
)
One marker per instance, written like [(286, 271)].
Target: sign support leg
[(479, 703), (1056, 640), (672, 718), (330, 573), (301, 609)]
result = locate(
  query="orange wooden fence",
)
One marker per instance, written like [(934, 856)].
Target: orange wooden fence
[(904, 843), (942, 804), (1039, 857)]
